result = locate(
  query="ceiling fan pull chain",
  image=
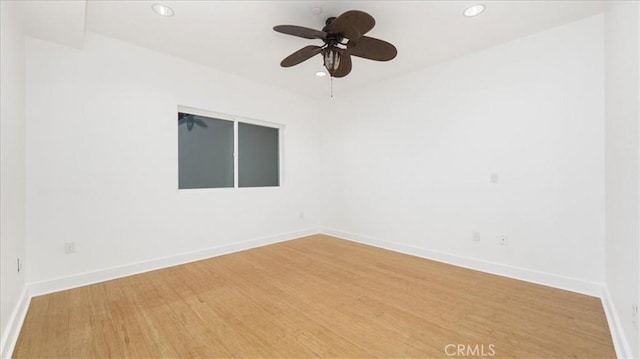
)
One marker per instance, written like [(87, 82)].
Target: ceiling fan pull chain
[(331, 86)]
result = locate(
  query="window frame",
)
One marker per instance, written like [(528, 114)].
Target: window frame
[(235, 119)]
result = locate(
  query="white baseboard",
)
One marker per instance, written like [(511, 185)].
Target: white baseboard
[(551, 280), (10, 336), (82, 279), (32, 289), (620, 343)]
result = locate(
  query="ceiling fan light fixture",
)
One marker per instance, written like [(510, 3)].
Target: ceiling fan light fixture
[(321, 74), (332, 59), (162, 10), (474, 10)]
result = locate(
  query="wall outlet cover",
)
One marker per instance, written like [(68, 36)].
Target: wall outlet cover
[(69, 247), (503, 240)]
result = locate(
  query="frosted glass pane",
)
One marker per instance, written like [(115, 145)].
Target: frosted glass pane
[(258, 156), (205, 152)]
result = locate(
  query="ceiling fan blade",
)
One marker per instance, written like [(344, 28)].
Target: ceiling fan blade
[(372, 49), (301, 55), (300, 31), (345, 65), (352, 24)]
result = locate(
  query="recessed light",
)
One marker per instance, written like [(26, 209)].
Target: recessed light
[(316, 10), (321, 74), (474, 10), (162, 10)]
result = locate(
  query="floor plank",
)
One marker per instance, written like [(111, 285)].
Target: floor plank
[(317, 296)]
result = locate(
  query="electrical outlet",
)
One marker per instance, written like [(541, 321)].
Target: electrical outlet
[(69, 247), (634, 315), (475, 236), (503, 240)]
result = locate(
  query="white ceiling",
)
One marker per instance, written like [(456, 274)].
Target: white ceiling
[(57, 21), (237, 36)]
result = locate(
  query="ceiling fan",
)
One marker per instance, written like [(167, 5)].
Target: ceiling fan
[(350, 26), (190, 120)]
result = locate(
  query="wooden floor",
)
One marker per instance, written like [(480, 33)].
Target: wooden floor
[(314, 297)]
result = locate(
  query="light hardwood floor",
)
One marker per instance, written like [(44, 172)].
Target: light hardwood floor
[(314, 297)]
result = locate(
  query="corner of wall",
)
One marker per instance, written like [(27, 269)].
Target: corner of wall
[(12, 172), (12, 331), (620, 343)]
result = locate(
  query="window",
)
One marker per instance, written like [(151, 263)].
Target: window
[(207, 144), (205, 154), (258, 153)]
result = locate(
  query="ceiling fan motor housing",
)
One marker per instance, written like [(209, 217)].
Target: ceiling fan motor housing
[(328, 22)]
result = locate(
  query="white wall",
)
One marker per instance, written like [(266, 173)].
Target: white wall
[(411, 158), (407, 161), (102, 158), (622, 149), (12, 165)]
